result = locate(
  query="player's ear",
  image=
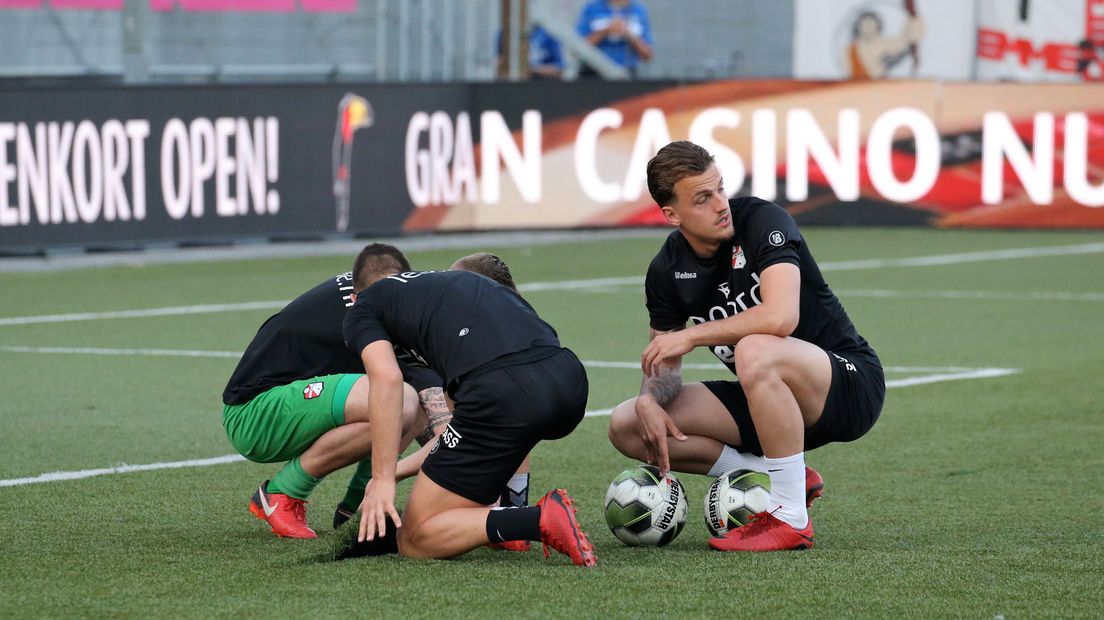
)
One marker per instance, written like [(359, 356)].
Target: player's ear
[(671, 215), (352, 297)]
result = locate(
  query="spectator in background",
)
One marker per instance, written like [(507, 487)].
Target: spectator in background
[(545, 56), (620, 29)]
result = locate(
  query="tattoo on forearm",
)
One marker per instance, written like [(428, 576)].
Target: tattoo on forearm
[(436, 410), (664, 385), (425, 436)]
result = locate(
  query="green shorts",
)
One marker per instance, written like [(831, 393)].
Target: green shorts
[(281, 423)]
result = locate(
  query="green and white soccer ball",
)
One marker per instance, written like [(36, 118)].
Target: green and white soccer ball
[(644, 508), (734, 497)]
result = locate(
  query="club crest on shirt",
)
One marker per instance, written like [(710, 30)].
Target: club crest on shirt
[(313, 390), (776, 238), (738, 260)]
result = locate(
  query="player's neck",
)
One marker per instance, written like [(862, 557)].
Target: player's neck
[(702, 248)]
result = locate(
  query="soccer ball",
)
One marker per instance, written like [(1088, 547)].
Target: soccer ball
[(734, 497), (643, 508)]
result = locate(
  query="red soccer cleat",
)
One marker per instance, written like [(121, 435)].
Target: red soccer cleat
[(511, 545), (560, 530), (286, 515), (814, 486), (765, 533)]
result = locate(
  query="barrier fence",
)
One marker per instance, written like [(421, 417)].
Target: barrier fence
[(123, 166)]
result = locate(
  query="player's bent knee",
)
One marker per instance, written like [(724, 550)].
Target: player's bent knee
[(414, 544), (755, 357), (411, 405), (407, 547), (623, 429)]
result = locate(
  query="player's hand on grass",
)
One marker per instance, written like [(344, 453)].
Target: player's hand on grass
[(379, 502), (655, 425), (672, 345)]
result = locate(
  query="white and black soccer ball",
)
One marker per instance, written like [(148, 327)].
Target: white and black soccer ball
[(644, 508), (734, 497)]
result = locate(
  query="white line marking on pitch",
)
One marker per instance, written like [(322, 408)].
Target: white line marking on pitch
[(597, 283), (958, 374), (953, 370), (119, 469), (976, 373), (100, 351), (132, 314), (966, 257), (1026, 295), (719, 366), (980, 373)]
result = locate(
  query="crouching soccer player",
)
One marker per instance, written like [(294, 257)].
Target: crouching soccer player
[(742, 273), (512, 384), (298, 395)]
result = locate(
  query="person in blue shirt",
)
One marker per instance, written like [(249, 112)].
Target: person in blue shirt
[(620, 29), (545, 56)]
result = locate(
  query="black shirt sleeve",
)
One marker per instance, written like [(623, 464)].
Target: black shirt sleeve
[(773, 236), (664, 310), (419, 377), (362, 326)]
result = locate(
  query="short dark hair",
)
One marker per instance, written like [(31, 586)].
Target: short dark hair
[(487, 264), (377, 259), (673, 163)]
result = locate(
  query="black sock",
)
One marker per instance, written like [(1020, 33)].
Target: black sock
[(514, 524), (380, 545)]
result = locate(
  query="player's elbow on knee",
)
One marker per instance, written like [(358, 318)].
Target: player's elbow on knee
[(786, 325), (780, 323)]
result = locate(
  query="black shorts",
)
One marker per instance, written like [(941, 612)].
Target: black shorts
[(853, 405), (500, 414)]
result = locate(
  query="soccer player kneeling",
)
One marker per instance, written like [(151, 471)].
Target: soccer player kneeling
[(513, 386)]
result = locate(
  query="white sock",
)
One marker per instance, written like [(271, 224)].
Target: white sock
[(733, 459), (787, 493)]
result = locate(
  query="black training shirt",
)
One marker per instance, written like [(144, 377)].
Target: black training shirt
[(455, 321), (681, 287), (304, 340)]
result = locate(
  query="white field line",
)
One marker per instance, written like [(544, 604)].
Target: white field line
[(55, 476), (148, 312), (719, 366), (103, 351), (580, 284), (957, 374), (980, 373), (999, 295), (966, 257), (598, 283), (945, 370), (951, 373)]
